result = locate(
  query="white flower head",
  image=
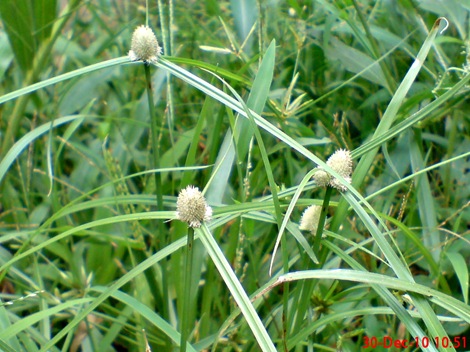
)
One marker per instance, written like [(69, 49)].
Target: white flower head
[(310, 219), (144, 45), (341, 162), (191, 207), (321, 178)]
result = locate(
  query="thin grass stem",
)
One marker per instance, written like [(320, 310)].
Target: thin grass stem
[(187, 290), (154, 136), (285, 294), (321, 222), (158, 189)]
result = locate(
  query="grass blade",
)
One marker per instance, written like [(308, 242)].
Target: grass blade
[(243, 131), (236, 289), (426, 209), (388, 118), (66, 76)]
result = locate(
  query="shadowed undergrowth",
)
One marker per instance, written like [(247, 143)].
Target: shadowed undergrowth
[(248, 101)]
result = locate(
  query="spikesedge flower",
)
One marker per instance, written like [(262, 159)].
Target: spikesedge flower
[(144, 45), (310, 219), (341, 162), (321, 178), (191, 207)]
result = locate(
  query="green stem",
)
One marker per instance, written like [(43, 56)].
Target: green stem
[(154, 134), (158, 190), (321, 221), (285, 294), (187, 290), (308, 285)]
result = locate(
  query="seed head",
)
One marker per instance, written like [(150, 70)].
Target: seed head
[(341, 162), (191, 207), (310, 219), (144, 45)]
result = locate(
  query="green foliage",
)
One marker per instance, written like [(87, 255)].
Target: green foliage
[(254, 96)]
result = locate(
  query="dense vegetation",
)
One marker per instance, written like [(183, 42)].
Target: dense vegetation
[(247, 102)]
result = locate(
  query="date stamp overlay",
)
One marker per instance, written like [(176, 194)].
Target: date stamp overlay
[(387, 342)]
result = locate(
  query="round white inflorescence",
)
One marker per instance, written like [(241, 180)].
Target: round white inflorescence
[(321, 178), (341, 162), (144, 45), (191, 207), (310, 219)]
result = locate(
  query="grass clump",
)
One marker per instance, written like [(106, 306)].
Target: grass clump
[(246, 103)]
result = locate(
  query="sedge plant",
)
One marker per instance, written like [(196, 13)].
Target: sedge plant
[(258, 98)]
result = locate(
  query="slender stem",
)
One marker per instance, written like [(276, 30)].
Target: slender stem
[(147, 13), (321, 222), (285, 294), (158, 190), (309, 285), (154, 133), (187, 290)]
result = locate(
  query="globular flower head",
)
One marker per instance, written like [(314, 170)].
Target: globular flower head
[(310, 219), (191, 207), (338, 185), (321, 178), (144, 45), (341, 162)]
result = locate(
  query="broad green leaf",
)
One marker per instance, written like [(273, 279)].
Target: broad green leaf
[(461, 270), (244, 12), (28, 24), (355, 61), (18, 20), (426, 208), (243, 130)]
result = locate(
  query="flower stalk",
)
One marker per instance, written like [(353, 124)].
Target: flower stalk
[(321, 222), (188, 273), (158, 185), (145, 47), (155, 145), (191, 207)]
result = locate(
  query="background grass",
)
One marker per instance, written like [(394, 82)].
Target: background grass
[(89, 262)]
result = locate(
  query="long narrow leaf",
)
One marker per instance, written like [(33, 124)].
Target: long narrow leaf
[(236, 290), (444, 300), (389, 117)]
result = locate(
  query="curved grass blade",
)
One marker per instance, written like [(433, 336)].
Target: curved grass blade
[(5, 347), (287, 215), (147, 313), (388, 118), (445, 301), (21, 144), (139, 269), (165, 215), (236, 289), (30, 320), (243, 131), (461, 270), (54, 80)]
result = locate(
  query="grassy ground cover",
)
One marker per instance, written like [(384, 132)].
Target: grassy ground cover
[(248, 102)]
